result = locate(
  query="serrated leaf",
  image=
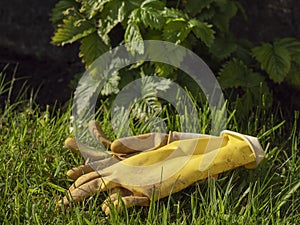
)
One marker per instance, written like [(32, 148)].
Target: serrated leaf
[(111, 86), (195, 6), (292, 45), (243, 51), (293, 77), (133, 39), (227, 10), (222, 48), (176, 30), (236, 74), (206, 14), (167, 53), (144, 97), (151, 14), (72, 30), (203, 31), (92, 46), (164, 70), (174, 13), (275, 59), (113, 13), (59, 11), (92, 7)]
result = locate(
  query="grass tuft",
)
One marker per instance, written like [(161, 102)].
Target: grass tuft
[(33, 165)]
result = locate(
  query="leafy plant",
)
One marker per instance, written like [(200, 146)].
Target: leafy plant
[(280, 59), (244, 69)]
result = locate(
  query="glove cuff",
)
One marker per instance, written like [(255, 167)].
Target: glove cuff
[(254, 145)]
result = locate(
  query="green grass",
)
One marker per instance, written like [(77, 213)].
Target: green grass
[(33, 165)]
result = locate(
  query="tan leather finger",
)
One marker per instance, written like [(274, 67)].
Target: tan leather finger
[(128, 201), (76, 172), (143, 142), (113, 199), (91, 155), (84, 179), (104, 163), (88, 153), (71, 144), (98, 134), (82, 192)]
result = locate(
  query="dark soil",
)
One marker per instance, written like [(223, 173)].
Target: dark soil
[(25, 42)]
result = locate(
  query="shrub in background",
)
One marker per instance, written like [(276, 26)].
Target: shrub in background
[(245, 70)]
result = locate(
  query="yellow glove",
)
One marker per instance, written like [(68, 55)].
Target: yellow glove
[(167, 169), (119, 149)]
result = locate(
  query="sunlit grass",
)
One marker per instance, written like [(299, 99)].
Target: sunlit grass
[(33, 165)]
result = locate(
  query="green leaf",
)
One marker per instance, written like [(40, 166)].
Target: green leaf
[(194, 7), (251, 88), (175, 54), (111, 86), (134, 39), (174, 13), (291, 44), (72, 30), (203, 31), (151, 14), (61, 9), (275, 59), (293, 77), (113, 13), (223, 48), (207, 14), (92, 46), (243, 51), (227, 10), (164, 70), (176, 30), (236, 74), (92, 7)]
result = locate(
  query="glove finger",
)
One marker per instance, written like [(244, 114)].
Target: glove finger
[(128, 199), (70, 143), (143, 142), (175, 136), (98, 165), (88, 153), (76, 172), (104, 163), (83, 179), (98, 134), (112, 200), (82, 192)]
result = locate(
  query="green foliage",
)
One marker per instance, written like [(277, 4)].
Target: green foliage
[(203, 31), (92, 46), (244, 68), (237, 76), (278, 58), (73, 29)]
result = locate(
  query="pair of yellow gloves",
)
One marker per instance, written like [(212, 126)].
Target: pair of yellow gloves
[(152, 166)]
